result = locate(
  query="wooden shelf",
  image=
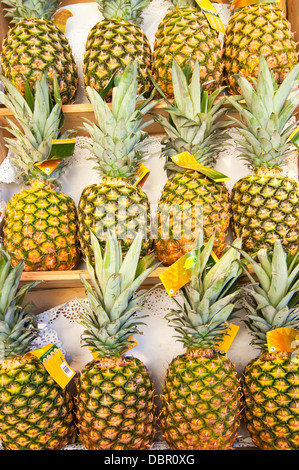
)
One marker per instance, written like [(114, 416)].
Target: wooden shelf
[(71, 279)]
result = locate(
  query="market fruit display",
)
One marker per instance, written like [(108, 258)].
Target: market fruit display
[(115, 400), (118, 148), (265, 204), (196, 125), (35, 412), (270, 381), (35, 45), (254, 30), (40, 221), (201, 395), (186, 35), (115, 41)]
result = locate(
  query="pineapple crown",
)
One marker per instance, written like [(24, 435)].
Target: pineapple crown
[(272, 299), (265, 111), (117, 136), (194, 123), (18, 328), (184, 3), (19, 9), (40, 122), (208, 300), (108, 318), (128, 10)]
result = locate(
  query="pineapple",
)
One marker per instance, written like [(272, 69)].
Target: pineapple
[(190, 200), (115, 405), (41, 221), (117, 142), (115, 41), (201, 395), (270, 381), (185, 34), (34, 45), (265, 204), (254, 30), (35, 412)]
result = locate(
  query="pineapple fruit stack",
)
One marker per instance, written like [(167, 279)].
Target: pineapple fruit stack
[(115, 406), (201, 396), (114, 42), (117, 143), (186, 35), (253, 30), (35, 412), (265, 204), (190, 200), (41, 221), (34, 45)]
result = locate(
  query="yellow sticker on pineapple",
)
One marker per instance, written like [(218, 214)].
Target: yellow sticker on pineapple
[(178, 274), (211, 14), (54, 362), (229, 337), (60, 18), (187, 160), (141, 176), (48, 166), (283, 340)]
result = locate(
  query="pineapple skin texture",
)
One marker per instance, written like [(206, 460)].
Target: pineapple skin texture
[(200, 402), (265, 207), (41, 229), (116, 205), (114, 405), (255, 30), (213, 201), (110, 46), (271, 388), (34, 46), (185, 34), (35, 412)]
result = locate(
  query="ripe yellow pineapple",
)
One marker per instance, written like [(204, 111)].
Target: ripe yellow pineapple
[(271, 380), (35, 412), (115, 404), (115, 41), (191, 200), (201, 395), (117, 141), (256, 29), (34, 45), (186, 35), (41, 221), (265, 204)]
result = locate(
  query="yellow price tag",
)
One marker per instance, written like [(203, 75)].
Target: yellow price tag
[(212, 15), (283, 340), (141, 176), (245, 3), (60, 18), (229, 337), (178, 274), (48, 166), (54, 362), (187, 160)]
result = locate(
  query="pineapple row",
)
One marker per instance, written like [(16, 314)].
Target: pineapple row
[(43, 227), (35, 44), (114, 407)]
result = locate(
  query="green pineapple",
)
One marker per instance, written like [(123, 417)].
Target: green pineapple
[(35, 412), (34, 45), (271, 380), (265, 204), (117, 146), (114, 42), (201, 396), (40, 221), (196, 125), (115, 407)]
